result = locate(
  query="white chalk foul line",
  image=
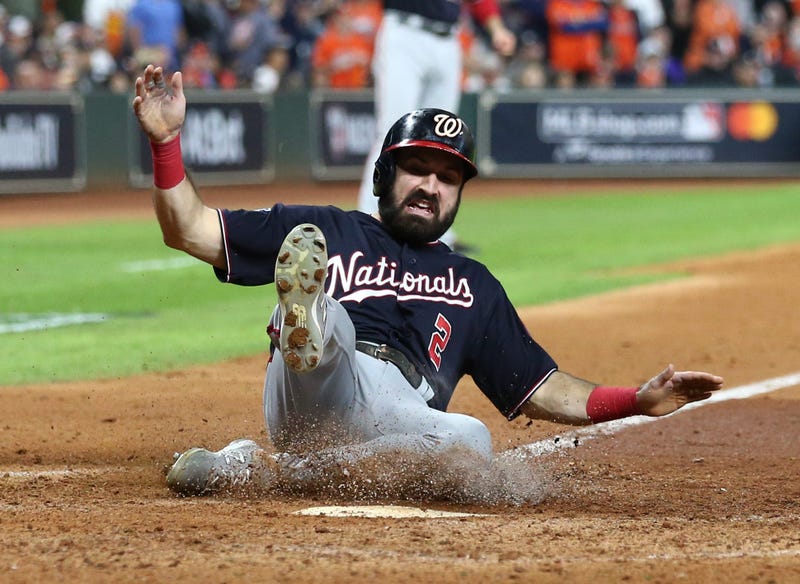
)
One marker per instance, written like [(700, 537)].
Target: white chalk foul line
[(52, 473), (24, 322), (383, 511), (571, 439), (160, 265)]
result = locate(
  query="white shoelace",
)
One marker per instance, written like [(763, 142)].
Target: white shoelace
[(235, 471)]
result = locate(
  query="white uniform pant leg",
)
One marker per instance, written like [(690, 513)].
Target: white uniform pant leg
[(396, 417), (408, 446), (313, 407), (412, 69), (358, 408)]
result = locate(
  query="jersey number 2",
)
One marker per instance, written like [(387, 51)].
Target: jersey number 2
[(439, 340)]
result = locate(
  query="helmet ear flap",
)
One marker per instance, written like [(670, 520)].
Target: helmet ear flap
[(383, 175)]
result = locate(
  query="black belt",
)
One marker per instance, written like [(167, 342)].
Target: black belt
[(385, 353), (437, 27)]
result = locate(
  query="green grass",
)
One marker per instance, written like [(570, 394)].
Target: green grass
[(159, 319), (546, 249), (542, 249)]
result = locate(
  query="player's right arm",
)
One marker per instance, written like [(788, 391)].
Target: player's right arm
[(567, 399), (487, 13), (186, 222)]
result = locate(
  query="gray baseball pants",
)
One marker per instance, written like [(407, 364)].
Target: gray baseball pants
[(354, 409)]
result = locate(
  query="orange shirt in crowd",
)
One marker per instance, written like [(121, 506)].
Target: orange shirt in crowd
[(623, 36), (577, 52), (712, 19), (772, 48), (341, 57), (365, 16), (115, 32)]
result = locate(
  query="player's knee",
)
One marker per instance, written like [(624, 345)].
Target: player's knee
[(464, 436), (480, 439)]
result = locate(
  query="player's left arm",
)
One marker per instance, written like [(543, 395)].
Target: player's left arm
[(487, 13), (566, 399), (186, 222)]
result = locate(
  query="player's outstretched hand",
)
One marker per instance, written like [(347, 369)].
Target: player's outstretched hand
[(160, 112), (671, 390)]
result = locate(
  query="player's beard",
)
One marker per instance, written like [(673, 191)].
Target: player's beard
[(412, 228)]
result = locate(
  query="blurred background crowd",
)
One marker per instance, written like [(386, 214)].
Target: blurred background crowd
[(273, 45)]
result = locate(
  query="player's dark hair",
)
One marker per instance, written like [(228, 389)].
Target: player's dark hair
[(424, 128), (383, 175)]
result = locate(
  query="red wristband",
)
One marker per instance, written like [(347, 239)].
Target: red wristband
[(611, 403), (168, 168)]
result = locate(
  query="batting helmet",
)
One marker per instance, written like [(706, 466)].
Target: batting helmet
[(424, 128)]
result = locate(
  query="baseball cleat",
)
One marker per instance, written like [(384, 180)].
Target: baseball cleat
[(300, 272), (201, 472)]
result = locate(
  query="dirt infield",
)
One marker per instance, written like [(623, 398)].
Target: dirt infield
[(708, 495)]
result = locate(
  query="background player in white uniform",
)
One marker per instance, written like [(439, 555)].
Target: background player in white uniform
[(418, 64), (377, 320)]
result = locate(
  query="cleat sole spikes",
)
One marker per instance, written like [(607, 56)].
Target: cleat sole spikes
[(300, 277)]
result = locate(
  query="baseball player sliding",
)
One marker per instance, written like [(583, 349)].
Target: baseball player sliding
[(377, 319)]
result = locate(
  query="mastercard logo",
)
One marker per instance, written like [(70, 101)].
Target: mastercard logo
[(755, 121)]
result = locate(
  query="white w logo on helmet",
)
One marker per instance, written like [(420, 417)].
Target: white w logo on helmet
[(448, 126)]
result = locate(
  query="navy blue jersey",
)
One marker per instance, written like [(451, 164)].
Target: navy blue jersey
[(440, 10), (445, 312), (445, 11)]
